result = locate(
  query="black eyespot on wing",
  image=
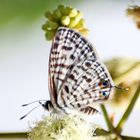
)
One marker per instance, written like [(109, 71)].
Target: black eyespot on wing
[(105, 83), (72, 77), (66, 88), (72, 57), (87, 64), (82, 52), (105, 94), (89, 80), (78, 105)]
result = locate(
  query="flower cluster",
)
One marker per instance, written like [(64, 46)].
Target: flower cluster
[(62, 128), (63, 16)]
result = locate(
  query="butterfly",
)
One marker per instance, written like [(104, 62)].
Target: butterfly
[(77, 78)]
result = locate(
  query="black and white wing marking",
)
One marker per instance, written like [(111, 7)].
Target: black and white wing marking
[(76, 77)]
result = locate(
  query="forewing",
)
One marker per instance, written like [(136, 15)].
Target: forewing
[(76, 76), (68, 49)]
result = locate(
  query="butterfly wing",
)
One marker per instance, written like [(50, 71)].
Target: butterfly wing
[(89, 84), (67, 49), (75, 75)]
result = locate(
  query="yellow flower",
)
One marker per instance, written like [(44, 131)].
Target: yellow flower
[(64, 16)]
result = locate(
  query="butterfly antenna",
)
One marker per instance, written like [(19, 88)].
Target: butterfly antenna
[(29, 112), (32, 102), (121, 88)]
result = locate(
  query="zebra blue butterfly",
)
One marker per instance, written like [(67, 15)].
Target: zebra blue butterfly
[(77, 78)]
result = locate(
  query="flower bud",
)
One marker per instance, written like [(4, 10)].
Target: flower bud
[(84, 31), (61, 8), (65, 20), (75, 20), (50, 25), (49, 15), (57, 14), (50, 34), (73, 12), (80, 24), (67, 10)]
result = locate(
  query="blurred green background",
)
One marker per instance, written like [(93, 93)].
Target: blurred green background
[(27, 11)]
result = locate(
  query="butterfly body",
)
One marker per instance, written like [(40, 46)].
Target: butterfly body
[(77, 79)]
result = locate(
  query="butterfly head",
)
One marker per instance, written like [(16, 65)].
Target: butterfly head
[(47, 105)]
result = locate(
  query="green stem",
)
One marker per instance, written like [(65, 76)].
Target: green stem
[(101, 132), (108, 122), (14, 135), (132, 72), (128, 111), (129, 138)]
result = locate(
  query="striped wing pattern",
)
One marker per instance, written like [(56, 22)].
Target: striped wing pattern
[(77, 79)]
